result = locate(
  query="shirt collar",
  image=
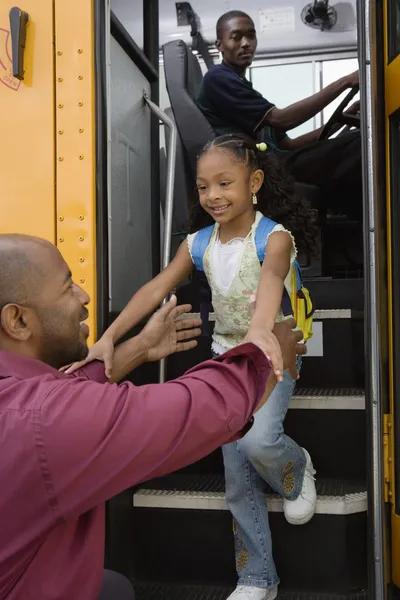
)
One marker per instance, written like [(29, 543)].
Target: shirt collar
[(23, 367)]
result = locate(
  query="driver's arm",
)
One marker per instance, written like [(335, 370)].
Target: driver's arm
[(303, 140), (288, 143), (296, 114)]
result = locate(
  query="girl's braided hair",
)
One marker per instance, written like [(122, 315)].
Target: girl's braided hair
[(276, 198)]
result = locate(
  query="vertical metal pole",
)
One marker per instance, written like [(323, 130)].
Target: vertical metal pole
[(367, 40), (169, 196), (151, 50)]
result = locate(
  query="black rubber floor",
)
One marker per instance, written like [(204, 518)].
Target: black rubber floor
[(155, 591)]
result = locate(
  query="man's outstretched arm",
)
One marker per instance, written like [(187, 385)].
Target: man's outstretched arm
[(298, 113)]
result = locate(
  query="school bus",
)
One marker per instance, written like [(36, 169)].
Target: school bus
[(92, 158)]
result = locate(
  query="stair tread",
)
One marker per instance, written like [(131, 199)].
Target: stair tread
[(329, 392), (167, 591), (188, 482)]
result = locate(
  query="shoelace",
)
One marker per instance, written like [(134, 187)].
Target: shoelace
[(309, 472)]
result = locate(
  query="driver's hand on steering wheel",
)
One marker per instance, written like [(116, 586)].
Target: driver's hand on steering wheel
[(353, 79), (354, 109)]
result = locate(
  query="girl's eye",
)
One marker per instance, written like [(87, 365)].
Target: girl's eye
[(224, 183), (201, 188)]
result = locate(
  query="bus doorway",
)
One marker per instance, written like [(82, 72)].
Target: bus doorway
[(96, 189)]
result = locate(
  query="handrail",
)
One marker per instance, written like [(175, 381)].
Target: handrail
[(169, 196), (367, 23), (121, 35)]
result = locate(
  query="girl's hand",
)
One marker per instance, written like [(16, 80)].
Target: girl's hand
[(271, 348), (267, 341), (102, 350)]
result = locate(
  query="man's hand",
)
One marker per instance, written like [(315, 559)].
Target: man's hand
[(353, 80), (165, 333), (354, 109), (289, 342)]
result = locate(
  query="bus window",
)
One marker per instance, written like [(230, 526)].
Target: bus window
[(284, 84), (332, 70)]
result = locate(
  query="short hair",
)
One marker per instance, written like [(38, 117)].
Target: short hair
[(21, 277), (232, 14)]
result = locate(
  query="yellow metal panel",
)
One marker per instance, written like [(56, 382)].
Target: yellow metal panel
[(75, 139), (392, 103), (27, 176), (392, 86)]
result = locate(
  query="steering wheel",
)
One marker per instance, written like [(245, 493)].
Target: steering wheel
[(339, 117)]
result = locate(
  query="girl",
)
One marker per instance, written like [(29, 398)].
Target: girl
[(238, 183)]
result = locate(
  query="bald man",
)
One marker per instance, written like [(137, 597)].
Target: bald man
[(69, 443)]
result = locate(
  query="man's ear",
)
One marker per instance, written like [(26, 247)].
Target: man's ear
[(257, 179), (219, 45), (15, 322)]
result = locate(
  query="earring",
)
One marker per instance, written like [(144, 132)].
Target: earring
[(254, 199)]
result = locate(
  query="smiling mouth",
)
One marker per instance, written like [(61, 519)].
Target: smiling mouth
[(219, 209)]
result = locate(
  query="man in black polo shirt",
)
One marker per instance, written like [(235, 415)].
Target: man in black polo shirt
[(231, 105)]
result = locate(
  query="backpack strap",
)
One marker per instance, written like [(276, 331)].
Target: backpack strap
[(263, 230), (200, 243), (299, 278)]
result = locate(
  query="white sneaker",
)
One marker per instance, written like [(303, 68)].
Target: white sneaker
[(301, 510), (247, 592)]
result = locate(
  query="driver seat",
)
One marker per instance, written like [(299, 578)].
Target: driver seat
[(183, 77)]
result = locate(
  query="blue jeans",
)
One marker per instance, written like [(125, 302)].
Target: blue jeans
[(264, 458)]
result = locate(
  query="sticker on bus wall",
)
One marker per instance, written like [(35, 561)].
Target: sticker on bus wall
[(277, 19), (6, 75)]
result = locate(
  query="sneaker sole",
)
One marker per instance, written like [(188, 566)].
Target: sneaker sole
[(302, 521)]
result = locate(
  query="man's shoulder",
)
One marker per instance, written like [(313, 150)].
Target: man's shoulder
[(218, 72), (28, 393)]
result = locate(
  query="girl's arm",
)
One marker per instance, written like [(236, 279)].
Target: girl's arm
[(151, 294), (274, 270), (141, 304)]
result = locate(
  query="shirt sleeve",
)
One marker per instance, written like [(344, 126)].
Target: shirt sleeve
[(100, 438), (236, 99), (190, 240), (280, 227)]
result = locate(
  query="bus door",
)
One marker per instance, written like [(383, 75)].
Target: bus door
[(392, 117)]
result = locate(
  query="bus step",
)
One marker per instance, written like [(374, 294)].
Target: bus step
[(166, 591), (206, 492), (328, 399), (315, 419), (183, 524), (335, 357)]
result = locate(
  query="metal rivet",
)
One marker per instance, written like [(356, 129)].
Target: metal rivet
[(60, 158), (59, 53), (81, 157), (80, 77), (81, 130), (80, 51), (60, 218), (61, 106), (81, 217), (82, 280), (60, 132), (60, 239), (81, 238), (81, 259), (80, 103), (60, 79)]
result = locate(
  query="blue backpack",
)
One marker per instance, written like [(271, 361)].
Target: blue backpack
[(299, 304)]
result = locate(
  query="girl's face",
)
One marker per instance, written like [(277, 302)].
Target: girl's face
[(226, 185)]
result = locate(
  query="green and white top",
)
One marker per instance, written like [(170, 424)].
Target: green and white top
[(233, 272)]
